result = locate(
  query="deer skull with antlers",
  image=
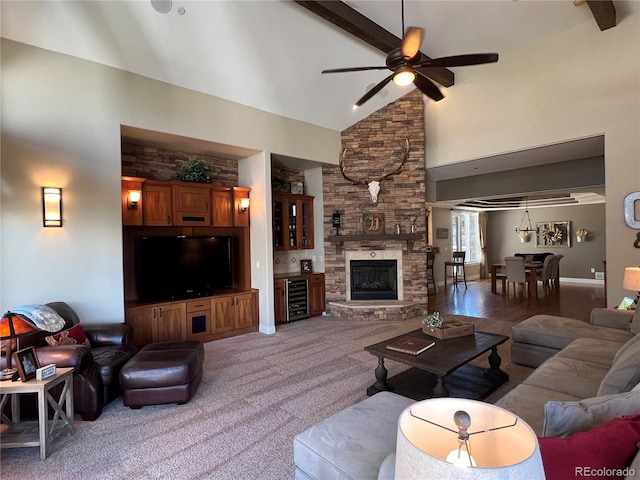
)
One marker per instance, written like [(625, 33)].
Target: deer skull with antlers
[(374, 185)]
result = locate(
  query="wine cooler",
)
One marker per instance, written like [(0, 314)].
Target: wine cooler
[(296, 298)]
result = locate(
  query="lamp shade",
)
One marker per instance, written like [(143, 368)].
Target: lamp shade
[(631, 279), (502, 445), (12, 325)]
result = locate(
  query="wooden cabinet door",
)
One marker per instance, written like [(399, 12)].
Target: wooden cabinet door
[(316, 294), (222, 205), (143, 321), (199, 320), (305, 219), (172, 322), (278, 301), (222, 311), (156, 204), (244, 310), (240, 217), (191, 205)]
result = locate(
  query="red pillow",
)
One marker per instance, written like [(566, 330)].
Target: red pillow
[(600, 453), (73, 336)]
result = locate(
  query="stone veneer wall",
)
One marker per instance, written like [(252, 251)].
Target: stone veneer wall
[(163, 164), (374, 148)]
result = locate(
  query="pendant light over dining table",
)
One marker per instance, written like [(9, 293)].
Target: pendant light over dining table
[(524, 231)]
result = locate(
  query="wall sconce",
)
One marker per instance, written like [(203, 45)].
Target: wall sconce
[(243, 206), (51, 207), (133, 198)]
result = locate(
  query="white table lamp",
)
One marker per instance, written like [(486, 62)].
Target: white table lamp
[(501, 445)]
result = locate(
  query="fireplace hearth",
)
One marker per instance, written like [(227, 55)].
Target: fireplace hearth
[(374, 279)]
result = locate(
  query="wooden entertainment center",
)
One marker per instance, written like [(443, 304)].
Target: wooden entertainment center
[(173, 208)]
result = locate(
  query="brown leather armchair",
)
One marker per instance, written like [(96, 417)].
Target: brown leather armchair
[(96, 377)]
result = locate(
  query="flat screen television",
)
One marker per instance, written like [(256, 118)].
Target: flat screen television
[(180, 267)]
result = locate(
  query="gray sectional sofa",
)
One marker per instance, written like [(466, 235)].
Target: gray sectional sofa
[(586, 375)]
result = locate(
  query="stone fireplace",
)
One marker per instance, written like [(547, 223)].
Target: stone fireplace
[(374, 147)]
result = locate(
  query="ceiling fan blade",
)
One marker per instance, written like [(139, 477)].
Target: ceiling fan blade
[(412, 41), (354, 69), (427, 87), (373, 91), (460, 60)]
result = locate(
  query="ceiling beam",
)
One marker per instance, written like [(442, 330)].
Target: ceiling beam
[(343, 16), (604, 12)]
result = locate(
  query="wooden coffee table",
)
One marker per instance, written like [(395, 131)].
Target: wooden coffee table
[(443, 370)]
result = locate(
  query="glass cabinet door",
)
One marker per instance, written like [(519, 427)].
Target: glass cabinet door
[(293, 224), (278, 225), (307, 223)]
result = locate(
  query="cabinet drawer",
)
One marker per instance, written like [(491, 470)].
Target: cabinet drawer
[(198, 305)]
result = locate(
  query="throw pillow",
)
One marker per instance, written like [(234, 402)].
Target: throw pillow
[(634, 325), (42, 316), (562, 419), (628, 344), (73, 336), (624, 373), (600, 453)]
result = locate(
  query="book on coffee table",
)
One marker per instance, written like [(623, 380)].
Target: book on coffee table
[(411, 345)]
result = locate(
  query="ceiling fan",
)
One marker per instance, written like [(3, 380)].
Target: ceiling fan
[(408, 65)]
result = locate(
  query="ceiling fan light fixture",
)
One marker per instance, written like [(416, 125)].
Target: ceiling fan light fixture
[(404, 77)]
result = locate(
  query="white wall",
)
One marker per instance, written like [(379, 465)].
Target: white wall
[(574, 85), (61, 120)]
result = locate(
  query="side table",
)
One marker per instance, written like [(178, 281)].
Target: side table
[(41, 433)]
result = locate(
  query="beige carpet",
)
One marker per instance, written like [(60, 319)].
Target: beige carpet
[(258, 391)]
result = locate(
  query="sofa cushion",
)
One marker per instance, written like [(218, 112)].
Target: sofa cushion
[(566, 375), (562, 419), (558, 332), (632, 341), (591, 350), (72, 336), (624, 373), (353, 443), (590, 454)]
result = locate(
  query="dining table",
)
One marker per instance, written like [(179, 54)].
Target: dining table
[(531, 269)]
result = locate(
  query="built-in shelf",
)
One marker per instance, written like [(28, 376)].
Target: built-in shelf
[(339, 240)]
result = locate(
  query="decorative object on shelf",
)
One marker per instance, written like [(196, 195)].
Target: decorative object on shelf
[(133, 198), (442, 233), (413, 228), (374, 185), (26, 363), (336, 221), (305, 266), (373, 223), (524, 232), (12, 326), (195, 170), (460, 438), (243, 205), (631, 281), (297, 188), (581, 235), (397, 229), (553, 234), (51, 207), (435, 326)]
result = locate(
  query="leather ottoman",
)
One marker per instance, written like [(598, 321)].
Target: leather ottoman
[(162, 373)]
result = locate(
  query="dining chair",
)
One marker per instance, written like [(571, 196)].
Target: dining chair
[(432, 288), (545, 275), (516, 273), (555, 271), (456, 263)]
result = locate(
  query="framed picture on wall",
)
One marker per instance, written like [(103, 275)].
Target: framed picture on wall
[(297, 188), (553, 234), (305, 266), (442, 233)]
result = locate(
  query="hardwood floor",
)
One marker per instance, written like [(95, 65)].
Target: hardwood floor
[(573, 300)]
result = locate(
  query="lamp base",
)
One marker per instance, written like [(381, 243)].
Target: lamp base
[(7, 373)]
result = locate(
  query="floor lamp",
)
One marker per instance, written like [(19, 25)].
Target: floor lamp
[(12, 326)]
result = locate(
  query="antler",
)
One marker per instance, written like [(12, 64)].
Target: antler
[(366, 182), (355, 182)]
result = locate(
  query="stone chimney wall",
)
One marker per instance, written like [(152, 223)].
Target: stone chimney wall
[(374, 148)]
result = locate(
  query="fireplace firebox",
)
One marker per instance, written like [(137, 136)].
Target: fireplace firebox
[(374, 279)]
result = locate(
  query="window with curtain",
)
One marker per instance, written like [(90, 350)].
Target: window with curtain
[(465, 234)]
